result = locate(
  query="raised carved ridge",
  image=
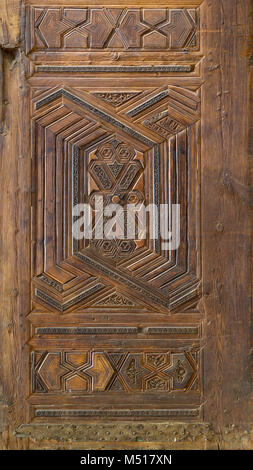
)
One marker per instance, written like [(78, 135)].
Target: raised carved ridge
[(155, 99), (122, 278), (65, 306), (95, 111)]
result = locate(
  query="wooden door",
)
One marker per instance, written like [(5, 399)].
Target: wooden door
[(136, 103)]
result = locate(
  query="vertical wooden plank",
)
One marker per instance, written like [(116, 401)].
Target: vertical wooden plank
[(225, 214), (10, 15), (15, 229), (1, 88), (250, 150)]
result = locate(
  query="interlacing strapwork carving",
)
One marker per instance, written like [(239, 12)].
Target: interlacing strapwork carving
[(115, 168), (113, 28), (112, 371)]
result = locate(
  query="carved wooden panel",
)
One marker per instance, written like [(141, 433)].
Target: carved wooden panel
[(98, 160), (113, 28), (111, 342), (116, 320), (116, 371)]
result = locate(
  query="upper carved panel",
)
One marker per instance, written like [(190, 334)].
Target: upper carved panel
[(146, 29)]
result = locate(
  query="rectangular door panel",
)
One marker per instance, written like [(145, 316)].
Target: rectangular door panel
[(115, 112), (134, 104)]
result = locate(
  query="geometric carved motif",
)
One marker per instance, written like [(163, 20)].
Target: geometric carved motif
[(163, 124), (115, 300), (116, 99), (118, 164), (114, 371), (113, 28), (115, 168)]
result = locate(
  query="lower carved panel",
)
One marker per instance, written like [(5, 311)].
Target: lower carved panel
[(115, 371)]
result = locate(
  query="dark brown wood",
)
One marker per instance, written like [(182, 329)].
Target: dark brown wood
[(226, 230), (146, 104)]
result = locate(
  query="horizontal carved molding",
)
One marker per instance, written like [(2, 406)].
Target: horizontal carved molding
[(125, 3), (114, 68), (169, 330), (129, 431), (174, 330), (172, 413), (86, 330)]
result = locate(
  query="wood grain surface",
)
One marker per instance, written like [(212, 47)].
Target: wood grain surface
[(137, 103)]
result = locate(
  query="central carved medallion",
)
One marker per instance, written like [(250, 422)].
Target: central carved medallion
[(115, 168)]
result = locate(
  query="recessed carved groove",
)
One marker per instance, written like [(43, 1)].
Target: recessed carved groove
[(86, 330), (169, 330), (51, 282), (155, 413), (173, 330), (114, 68), (156, 192)]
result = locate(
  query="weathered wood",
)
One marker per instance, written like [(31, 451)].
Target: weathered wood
[(1, 88), (226, 215), (10, 22), (65, 313), (14, 250)]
